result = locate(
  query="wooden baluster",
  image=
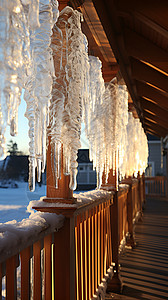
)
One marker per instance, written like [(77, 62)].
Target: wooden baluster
[(99, 247), (25, 274), (109, 238), (86, 256), (105, 236), (0, 281), (62, 262), (37, 271), (93, 256), (78, 259), (115, 283), (11, 277), (102, 240), (82, 260), (96, 240), (89, 256), (48, 267)]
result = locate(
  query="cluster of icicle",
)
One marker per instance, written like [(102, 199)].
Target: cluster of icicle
[(38, 85), (108, 116), (74, 79), (117, 141), (70, 90), (137, 147), (14, 63), (26, 62)]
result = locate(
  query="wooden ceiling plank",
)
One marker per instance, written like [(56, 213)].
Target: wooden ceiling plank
[(142, 72), (140, 47), (152, 132), (157, 128), (153, 108), (145, 20), (113, 32), (156, 11), (154, 118), (145, 90)]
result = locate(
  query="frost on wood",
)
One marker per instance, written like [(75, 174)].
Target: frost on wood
[(14, 61), (70, 91), (38, 87)]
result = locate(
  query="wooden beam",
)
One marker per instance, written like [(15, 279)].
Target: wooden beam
[(152, 132), (153, 123), (143, 72), (156, 11), (107, 14), (147, 91), (153, 108), (141, 48), (156, 119), (162, 131), (128, 15)]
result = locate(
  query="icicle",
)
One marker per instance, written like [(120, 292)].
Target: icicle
[(57, 162), (32, 174), (38, 83), (14, 61)]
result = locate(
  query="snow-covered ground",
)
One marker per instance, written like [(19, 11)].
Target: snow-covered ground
[(14, 201)]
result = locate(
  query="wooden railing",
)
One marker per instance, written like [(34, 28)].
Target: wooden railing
[(28, 274), (156, 186), (92, 248), (72, 262)]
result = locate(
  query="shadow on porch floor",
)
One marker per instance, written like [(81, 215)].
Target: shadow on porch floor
[(144, 270)]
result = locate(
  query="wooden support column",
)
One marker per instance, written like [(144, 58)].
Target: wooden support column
[(140, 196), (115, 283), (166, 173), (130, 239), (144, 199)]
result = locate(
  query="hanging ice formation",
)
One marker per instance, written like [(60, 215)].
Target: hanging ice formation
[(14, 61), (94, 117), (105, 120), (137, 147), (38, 85), (116, 110), (70, 90)]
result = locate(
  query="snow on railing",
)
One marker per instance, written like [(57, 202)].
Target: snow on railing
[(38, 254)]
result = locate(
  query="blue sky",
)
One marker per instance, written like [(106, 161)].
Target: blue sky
[(22, 138)]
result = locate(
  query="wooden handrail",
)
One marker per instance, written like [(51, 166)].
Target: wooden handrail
[(156, 186), (73, 261)]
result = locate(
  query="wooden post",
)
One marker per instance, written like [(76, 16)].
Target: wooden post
[(130, 239), (62, 262), (140, 197), (166, 173), (144, 198), (63, 193), (115, 283)]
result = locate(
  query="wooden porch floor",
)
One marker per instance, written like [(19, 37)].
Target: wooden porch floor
[(144, 270)]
